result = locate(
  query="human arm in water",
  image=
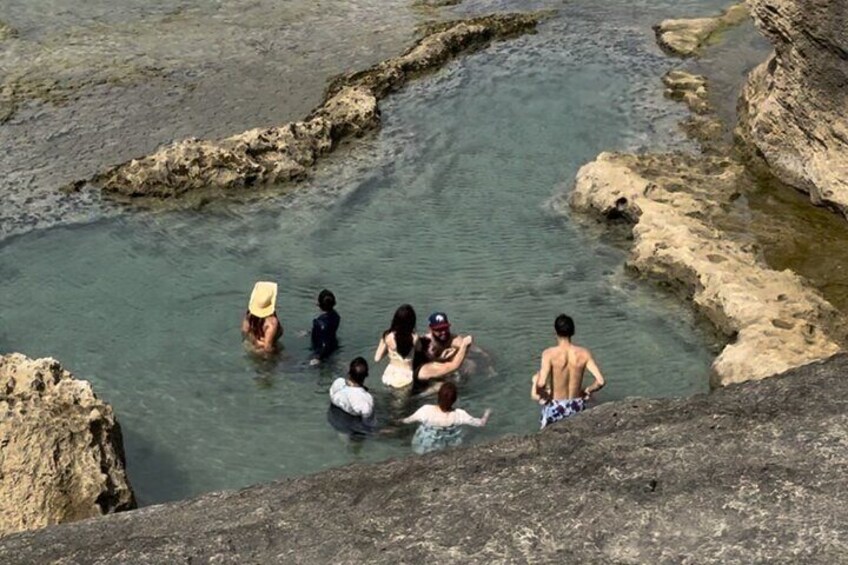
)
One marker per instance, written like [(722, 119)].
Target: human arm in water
[(438, 369), (599, 381), (382, 348), (540, 392)]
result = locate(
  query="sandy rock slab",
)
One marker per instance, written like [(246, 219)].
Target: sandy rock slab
[(793, 112), (773, 320), (61, 456), (686, 37), (287, 153)]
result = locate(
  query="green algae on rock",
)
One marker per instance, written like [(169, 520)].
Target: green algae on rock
[(286, 153), (686, 37)]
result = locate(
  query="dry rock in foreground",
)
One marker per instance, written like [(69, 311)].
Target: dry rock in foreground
[(62, 456), (794, 107), (286, 153), (773, 319), (686, 37), (752, 473)]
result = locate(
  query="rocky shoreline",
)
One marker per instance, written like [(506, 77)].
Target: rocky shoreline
[(62, 456), (748, 473), (687, 37), (689, 232), (286, 153), (792, 110)]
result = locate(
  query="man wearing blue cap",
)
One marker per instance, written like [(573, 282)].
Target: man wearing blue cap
[(442, 344)]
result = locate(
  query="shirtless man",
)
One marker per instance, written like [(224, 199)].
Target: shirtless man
[(566, 363), (442, 344)]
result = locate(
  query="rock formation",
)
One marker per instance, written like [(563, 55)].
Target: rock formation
[(773, 319), (286, 153), (753, 473), (62, 456), (686, 37), (793, 108)]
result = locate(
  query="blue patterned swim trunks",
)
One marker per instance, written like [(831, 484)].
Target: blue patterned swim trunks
[(557, 410)]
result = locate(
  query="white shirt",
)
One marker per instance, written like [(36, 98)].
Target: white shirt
[(354, 400), (432, 415)]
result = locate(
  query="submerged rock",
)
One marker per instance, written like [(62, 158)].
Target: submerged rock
[(686, 37), (793, 108), (62, 456), (286, 153), (7, 31), (773, 319), (750, 473)]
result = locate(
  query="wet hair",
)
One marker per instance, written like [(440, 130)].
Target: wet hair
[(403, 325), (326, 300), (358, 371), (256, 325), (564, 326), (447, 396)]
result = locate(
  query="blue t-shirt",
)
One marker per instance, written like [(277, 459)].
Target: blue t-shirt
[(324, 328)]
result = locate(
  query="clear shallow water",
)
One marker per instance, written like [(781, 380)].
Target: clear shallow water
[(447, 208)]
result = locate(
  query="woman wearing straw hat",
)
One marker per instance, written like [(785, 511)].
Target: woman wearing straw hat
[(260, 325)]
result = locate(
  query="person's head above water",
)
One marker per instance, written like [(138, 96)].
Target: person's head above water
[(358, 371), (447, 396), (326, 300), (564, 326), (403, 326), (263, 299), (439, 326)]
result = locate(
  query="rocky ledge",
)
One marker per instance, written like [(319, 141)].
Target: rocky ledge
[(686, 37), (793, 108), (749, 473), (675, 204), (286, 153), (62, 456)]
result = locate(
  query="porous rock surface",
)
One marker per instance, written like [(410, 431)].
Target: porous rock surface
[(61, 451), (773, 319), (286, 153), (794, 107), (686, 37), (753, 473)]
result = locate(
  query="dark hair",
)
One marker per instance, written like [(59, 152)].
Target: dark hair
[(447, 396), (326, 300), (564, 326), (403, 325), (358, 370), (256, 325)]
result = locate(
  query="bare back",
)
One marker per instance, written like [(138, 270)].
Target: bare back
[(567, 365)]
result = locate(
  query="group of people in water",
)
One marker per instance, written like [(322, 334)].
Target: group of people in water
[(422, 364)]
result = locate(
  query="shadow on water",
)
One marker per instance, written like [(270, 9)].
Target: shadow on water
[(155, 473)]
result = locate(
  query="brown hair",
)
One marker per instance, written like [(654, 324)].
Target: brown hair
[(447, 396)]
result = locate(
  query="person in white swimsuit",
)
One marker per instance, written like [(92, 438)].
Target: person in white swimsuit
[(440, 423), (398, 343)]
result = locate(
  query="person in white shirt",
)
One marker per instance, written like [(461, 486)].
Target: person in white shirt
[(440, 423), (351, 405)]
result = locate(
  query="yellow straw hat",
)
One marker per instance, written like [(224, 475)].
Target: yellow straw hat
[(263, 299)]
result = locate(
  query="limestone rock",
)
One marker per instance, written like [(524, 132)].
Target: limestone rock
[(62, 455), (686, 37), (287, 153), (773, 320), (794, 107), (752, 473)]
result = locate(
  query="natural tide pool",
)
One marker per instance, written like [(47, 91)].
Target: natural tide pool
[(446, 208)]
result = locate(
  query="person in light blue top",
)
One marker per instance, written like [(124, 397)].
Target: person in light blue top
[(440, 424)]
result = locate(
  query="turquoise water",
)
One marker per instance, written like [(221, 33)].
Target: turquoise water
[(454, 206)]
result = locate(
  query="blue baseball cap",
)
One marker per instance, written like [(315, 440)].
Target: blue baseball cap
[(438, 321)]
